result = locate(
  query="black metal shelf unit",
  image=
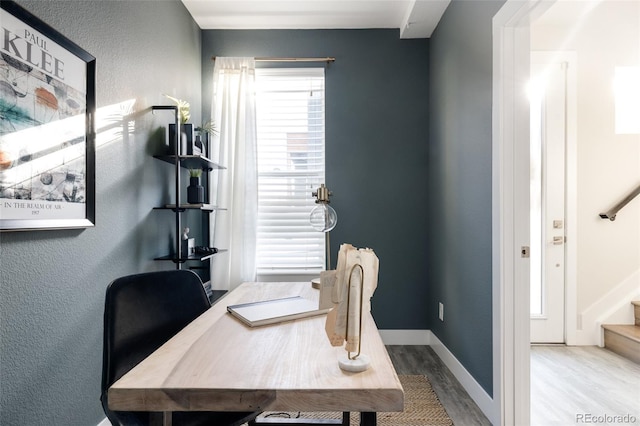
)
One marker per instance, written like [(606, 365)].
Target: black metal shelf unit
[(195, 257), (188, 162)]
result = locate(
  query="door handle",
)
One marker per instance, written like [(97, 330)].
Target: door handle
[(558, 241)]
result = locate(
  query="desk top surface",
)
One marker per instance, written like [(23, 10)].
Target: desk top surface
[(217, 363)]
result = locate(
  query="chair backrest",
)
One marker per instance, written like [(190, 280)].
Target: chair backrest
[(141, 313)]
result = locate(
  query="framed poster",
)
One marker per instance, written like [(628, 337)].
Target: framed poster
[(47, 135)]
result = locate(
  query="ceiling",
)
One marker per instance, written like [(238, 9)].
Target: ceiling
[(413, 18)]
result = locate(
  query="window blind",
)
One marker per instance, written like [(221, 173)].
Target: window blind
[(290, 161)]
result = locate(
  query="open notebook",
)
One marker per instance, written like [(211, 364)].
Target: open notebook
[(275, 310)]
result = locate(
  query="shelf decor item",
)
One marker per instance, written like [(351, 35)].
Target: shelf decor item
[(47, 130), (183, 109), (203, 135), (195, 191), (187, 139), (188, 244)]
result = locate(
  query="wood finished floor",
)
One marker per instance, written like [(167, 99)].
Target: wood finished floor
[(567, 382), (423, 360)]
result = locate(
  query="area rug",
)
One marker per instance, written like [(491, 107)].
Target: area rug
[(421, 408)]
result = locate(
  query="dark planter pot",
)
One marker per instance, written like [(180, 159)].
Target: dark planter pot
[(195, 191)]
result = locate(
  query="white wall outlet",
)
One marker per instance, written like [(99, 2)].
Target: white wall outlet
[(441, 311)]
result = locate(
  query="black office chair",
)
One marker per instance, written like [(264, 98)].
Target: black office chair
[(141, 313)]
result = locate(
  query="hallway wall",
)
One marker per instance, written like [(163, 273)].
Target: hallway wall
[(460, 185)]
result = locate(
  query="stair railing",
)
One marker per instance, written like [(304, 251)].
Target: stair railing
[(611, 213)]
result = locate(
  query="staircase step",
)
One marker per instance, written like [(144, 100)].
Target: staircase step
[(636, 310), (623, 339)]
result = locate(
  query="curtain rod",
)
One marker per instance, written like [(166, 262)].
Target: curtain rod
[(327, 59)]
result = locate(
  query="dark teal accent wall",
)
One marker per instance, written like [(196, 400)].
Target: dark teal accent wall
[(377, 119), (52, 283), (459, 182), (408, 158)]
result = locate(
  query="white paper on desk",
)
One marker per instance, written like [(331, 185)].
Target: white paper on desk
[(343, 321), (275, 310)]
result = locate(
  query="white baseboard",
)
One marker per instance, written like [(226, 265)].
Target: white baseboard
[(405, 337), (470, 385), (473, 388)]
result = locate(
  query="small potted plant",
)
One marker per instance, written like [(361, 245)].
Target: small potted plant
[(207, 128), (195, 191)]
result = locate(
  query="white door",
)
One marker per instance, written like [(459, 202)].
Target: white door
[(548, 151)]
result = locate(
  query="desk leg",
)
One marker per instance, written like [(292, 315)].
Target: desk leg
[(160, 418), (368, 419)]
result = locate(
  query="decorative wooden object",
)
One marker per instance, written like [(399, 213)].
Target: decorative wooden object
[(344, 321)]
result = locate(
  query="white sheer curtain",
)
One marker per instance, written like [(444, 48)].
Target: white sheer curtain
[(234, 114)]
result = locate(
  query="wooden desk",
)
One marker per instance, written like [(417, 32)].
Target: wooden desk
[(217, 363)]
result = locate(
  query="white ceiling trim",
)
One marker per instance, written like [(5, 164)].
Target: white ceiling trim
[(413, 18), (422, 18)]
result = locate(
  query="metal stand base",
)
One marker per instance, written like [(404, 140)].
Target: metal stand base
[(366, 419), (354, 365), (301, 422), (315, 283)]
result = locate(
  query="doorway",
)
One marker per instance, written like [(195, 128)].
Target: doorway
[(552, 93), (510, 214), (512, 39)]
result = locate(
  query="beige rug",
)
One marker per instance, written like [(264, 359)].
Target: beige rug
[(421, 408)]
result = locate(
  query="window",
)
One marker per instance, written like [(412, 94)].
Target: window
[(290, 161), (627, 100)]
